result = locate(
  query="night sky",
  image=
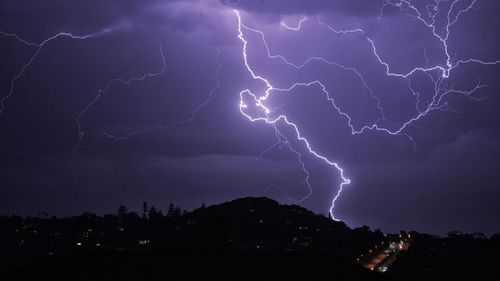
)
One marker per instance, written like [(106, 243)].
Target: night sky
[(142, 103)]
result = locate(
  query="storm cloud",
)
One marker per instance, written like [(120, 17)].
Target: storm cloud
[(440, 175)]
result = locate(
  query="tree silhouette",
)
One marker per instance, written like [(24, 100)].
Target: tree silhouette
[(145, 210), (155, 215), (177, 212), (122, 211), (171, 210)]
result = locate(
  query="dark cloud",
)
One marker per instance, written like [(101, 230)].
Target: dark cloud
[(353, 7), (438, 193), (63, 186), (449, 181)]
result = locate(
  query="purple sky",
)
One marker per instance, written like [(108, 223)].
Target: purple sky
[(93, 123)]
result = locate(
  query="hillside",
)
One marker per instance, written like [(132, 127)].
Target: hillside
[(244, 239)]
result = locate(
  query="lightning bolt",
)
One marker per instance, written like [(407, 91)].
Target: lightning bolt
[(251, 102), (106, 89), (259, 102), (38, 49), (132, 80), (193, 113), (283, 141), (299, 25)]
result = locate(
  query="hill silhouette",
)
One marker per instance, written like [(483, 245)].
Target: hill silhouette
[(244, 239), (262, 223)]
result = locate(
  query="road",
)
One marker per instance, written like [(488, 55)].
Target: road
[(381, 256)]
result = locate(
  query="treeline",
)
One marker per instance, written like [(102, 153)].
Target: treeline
[(257, 224)]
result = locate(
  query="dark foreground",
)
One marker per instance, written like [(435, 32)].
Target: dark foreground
[(188, 265), (245, 239)]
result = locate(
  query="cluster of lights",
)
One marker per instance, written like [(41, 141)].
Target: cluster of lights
[(392, 249)]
